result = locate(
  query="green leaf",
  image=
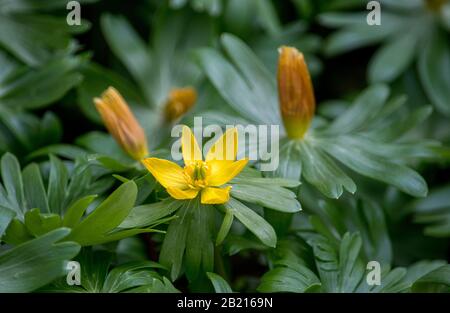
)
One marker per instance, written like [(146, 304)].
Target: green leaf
[(368, 104), (290, 165), (16, 233), (131, 275), (254, 222), (260, 81), (97, 79), (212, 7), (289, 275), (174, 244), (351, 268), (61, 150), (220, 284), (6, 216), (340, 269), (57, 183), (236, 244), (242, 82), (434, 211), (434, 280), (392, 282), (420, 269), (147, 214), (39, 87), (225, 227), (357, 35), (96, 227), (38, 224), (136, 57), (12, 181), (159, 286), (393, 58), (338, 19), (199, 257), (23, 132), (36, 263), (276, 198), (258, 181), (34, 189), (434, 61), (323, 173), (94, 268), (374, 166), (75, 212)]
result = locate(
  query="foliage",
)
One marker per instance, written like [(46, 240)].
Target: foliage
[(366, 182)]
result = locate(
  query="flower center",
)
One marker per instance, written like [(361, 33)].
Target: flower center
[(196, 174)]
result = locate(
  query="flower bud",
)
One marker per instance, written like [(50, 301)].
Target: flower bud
[(122, 124), (435, 5), (295, 92), (179, 102)]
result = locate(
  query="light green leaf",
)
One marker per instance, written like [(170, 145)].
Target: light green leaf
[(199, 257), (254, 222), (96, 227), (437, 280), (16, 233), (38, 224), (148, 214), (39, 87), (366, 107), (6, 216), (220, 284), (433, 65), (75, 212), (323, 173), (376, 167), (128, 47), (276, 198), (36, 263), (225, 227), (393, 58), (34, 188), (174, 244), (289, 276), (12, 181), (340, 269), (58, 180)]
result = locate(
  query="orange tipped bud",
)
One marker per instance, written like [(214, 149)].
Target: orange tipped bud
[(121, 123), (179, 102), (295, 92), (435, 5)]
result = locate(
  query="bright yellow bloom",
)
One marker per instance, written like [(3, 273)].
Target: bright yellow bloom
[(198, 176), (121, 123), (295, 91), (179, 102)]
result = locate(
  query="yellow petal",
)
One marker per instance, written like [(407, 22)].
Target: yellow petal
[(180, 194), (167, 173), (189, 146), (221, 172), (215, 195), (225, 148)]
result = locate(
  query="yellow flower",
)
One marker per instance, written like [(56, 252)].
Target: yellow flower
[(121, 123), (179, 102), (295, 92), (198, 176)]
